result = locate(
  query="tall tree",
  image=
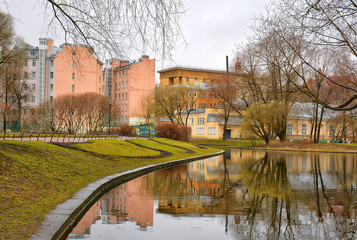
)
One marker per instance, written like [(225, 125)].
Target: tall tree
[(118, 27), (176, 102), (306, 28)]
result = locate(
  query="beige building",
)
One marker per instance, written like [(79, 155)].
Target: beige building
[(208, 123)]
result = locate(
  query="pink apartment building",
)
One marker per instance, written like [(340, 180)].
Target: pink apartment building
[(55, 71), (126, 84), (70, 68)]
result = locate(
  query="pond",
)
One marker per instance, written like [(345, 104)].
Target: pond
[(241, 194)]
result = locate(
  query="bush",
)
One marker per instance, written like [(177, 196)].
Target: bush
[(124, 130), (173, 131)]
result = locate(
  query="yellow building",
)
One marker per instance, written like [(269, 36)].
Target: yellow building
[(198, 77), (208, 123), (300, 124)]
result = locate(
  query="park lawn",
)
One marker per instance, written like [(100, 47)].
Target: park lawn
[(176, 143), (177, 151), (228, 143), (37, 176), (276, 145), (115, 148)]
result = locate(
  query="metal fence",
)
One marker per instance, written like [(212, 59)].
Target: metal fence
[(57, 138)]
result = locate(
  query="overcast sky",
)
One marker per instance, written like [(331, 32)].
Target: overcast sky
[(211, 28)]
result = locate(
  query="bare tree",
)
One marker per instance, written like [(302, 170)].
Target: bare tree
[(119, 27), (146, 109), (12, 49), (308, 27), (176, 102)]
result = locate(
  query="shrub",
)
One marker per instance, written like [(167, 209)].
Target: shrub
[(173, 131), (124, 130)]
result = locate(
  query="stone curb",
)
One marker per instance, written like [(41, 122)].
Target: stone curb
[(60, 221)]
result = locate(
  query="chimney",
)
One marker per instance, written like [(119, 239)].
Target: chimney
[(238, 67)]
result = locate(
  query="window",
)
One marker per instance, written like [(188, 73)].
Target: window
[(195, 79), (73, 53), (187, 79), (33, 74), (119, 96), (33, 63), (200, 131), (51, 87), (51, 99), (331, 130), (126, 73), (32, 53), (52, 62), (203, 95), (190, 121), (204, 80), (73, 64), (26, 63), (126, 119), (126, 96), (126, 107), (51, 75), (200, 120), (100, 79), (203, 105), (33, 99), (126, 84), (99, 90), (290, 129), (73, 76), (212, 131), (33, 87), (195, 94), (304, 129), (72, 88), (25, 87), (115, 97)]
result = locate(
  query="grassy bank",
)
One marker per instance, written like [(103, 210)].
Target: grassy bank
[(36, 176), (276, 145)]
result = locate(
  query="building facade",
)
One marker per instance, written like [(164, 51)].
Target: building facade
[(55, 71), (127, 84), (200, 78)]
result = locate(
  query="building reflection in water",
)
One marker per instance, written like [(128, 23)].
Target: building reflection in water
[(260, 195), (128, 202)]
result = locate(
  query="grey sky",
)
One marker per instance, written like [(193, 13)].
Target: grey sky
[(211, 29)]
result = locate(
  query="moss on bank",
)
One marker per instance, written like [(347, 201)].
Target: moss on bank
[(36, 176)]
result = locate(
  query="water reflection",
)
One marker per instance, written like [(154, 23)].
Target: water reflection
[(243, 194)]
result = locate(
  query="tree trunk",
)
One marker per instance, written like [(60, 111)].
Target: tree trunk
[(320, 121)]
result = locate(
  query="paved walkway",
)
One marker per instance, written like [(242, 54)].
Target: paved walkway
[(62, 139)]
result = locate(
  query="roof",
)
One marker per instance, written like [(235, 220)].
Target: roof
[(306, 111), (198, 69), (233, 119)]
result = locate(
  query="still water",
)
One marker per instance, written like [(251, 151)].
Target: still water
[(239, 195)]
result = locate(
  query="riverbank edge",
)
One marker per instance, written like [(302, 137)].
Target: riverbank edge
[(60, 221), (260, 148)]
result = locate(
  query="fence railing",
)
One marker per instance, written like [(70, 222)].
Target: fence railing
[(57, 137)]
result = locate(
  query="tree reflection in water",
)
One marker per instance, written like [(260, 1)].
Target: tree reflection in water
[(251, 194), (268, 184), (271, 198)]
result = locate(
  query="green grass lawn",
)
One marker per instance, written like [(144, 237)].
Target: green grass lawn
[(36, 176), (277, 145), (229, 143), (115, 148)]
